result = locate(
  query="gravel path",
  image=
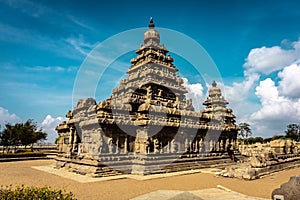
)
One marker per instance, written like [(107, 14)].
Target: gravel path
[(21, 172)]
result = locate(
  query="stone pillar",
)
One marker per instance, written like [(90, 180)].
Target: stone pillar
[(173, 146), (217, 146), (193, 147), (71, 139), (196, 146), (211, 145), (206, 146), (201, 145), (221, 145), (110, 145), (226, 144), (125, 145), (117, 145), (168, 147), (186, 145), (161, 148), (79, 148), (75, 141)]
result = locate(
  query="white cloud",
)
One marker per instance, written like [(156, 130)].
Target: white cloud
[(273, 105), (27, 7), (51, 68), (48, 125), (79, 22), (269, 59), (74, 47), (195, 92), (6, 117), (240, 90), (290, 81), (80, 45), (238, 95), (276, 110)]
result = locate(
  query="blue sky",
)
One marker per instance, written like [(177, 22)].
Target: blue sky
[(253, 43)]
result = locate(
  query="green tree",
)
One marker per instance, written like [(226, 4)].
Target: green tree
[(293, 132), (254, 140), (8, 137), (245, 130), (21, 134)]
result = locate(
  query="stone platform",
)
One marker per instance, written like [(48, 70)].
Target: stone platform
[(141, 164)]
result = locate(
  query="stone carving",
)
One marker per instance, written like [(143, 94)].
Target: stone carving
[(156, 145), (283, 146), (261, 159), (110, 146)]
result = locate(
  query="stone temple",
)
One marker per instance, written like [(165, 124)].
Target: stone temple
[(147, 125)]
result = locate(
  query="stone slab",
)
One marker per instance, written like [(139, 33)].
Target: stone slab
[(205, 194)]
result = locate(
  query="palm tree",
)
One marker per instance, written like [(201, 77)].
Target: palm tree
[(245, 130)]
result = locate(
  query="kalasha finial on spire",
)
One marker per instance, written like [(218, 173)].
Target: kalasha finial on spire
[(151, 24), (214, 84)]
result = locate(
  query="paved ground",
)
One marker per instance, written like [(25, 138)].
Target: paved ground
[(192, 186), (204, 194)]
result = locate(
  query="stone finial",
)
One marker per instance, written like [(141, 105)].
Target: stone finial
[(151, 24), (214, 84)]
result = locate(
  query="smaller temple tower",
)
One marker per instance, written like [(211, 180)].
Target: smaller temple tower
[(220, 120)]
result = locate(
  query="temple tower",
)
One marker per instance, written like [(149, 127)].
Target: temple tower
[(147, 122)]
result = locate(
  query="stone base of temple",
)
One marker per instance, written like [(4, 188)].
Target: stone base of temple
[(106, 165), (140, 164), (166, 163)]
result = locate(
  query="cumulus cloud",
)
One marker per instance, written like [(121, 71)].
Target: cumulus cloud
[(268, 105), (290, 81), (266, 60), (276, 110), (239, 91), (195, 92), (274, 106), (6, 117), (48, 125)]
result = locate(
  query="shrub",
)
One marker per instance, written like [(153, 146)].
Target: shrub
[(33, 193)]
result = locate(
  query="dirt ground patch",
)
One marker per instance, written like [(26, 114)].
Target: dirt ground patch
[(21, 172)]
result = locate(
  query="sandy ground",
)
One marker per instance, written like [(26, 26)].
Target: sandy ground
[(21, 172)]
